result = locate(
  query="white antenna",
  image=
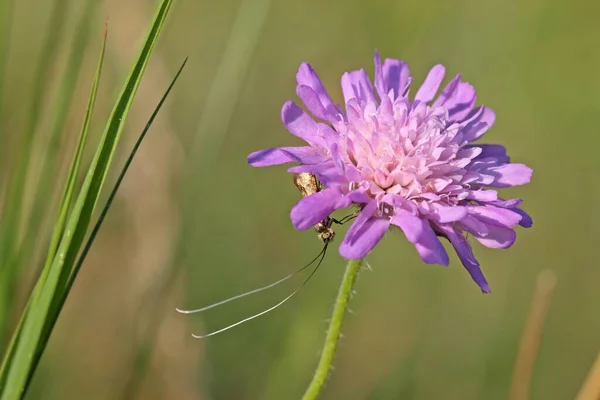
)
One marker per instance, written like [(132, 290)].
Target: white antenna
[(239, 296), (321, 255)]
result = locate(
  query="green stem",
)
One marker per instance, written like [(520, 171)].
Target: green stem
[(334, 331)]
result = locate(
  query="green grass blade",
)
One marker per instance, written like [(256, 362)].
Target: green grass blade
[(86, 248), (32, 340), (66, 200), (61, 300), (64, 209), (65, 205), (16, 188), (6, 20), (124, 170), (9, 226), (49, 159)]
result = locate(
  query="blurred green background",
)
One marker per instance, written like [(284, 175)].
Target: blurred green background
[(194, 223)]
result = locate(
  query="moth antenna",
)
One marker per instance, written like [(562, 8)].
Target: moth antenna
[(254, 291), (345, 219), (321, 254)]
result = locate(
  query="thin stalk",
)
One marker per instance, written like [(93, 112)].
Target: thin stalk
[(532, 336), (591, 387), (334, 331)]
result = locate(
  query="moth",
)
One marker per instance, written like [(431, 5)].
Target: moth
[(308, 184)]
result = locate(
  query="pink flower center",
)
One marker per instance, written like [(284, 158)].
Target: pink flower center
[(407, 151)]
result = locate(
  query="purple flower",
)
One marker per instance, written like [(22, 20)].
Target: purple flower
[(407, 163)]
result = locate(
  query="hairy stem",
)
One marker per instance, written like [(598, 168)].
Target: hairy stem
[(334, 331)]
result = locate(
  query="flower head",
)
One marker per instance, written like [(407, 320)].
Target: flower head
[(407, 163)]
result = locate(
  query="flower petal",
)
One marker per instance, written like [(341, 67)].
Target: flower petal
[(364, 239), (300, 124), (483, 195), (462, 102), (393, 75), (356, 85), (498, 237), (315, 208), (495, 215), (311, 100), (449, 91), (475, 226), (511, 203), (379, 84), (418, 231), (466, 256), (431, 85), (316, 98), (396, 76), (282, 155), (482, 119), (526, 221), (495, 151), (444, 214), (510, 175), (365, 214), (360, 196)]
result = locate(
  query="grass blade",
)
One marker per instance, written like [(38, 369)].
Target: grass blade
[(6, 20), (49, 159), (66, 200), (18, 178), (33, 337), (13, 215), (117, 185), (65, 205)]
